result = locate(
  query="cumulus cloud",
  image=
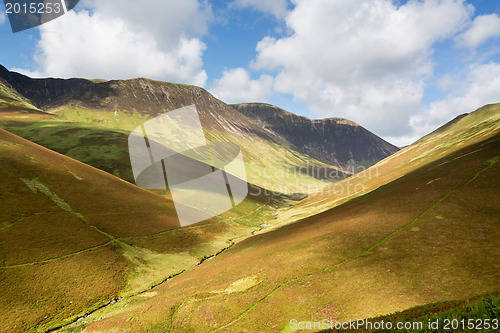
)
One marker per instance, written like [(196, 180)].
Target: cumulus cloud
[(277, 8), (483, 28), (125, 39), (479, 87), (236, 86), (2, 17), (365, 60)]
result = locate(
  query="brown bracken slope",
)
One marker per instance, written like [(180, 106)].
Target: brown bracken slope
[(60, 221)]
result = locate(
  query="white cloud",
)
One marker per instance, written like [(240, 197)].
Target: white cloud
[(483, 28), (365, 60), (236, 86), (121, 39), (277, 8), (479, 87), (2, 17), (448, 81)]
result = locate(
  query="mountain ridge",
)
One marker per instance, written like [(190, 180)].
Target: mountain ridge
[(41, 92), (125, 104), (342, 142)]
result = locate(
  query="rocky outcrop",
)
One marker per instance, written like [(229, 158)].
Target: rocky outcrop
[(42, 92)]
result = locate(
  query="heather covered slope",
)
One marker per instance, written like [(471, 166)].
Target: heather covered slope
[(427, 235), (461, 132), (335, 141), (59, 223)]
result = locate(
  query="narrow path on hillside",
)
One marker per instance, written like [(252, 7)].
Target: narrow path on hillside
[(118, 240), (232, 243), (60, 257), (7, 225), (492, 162)]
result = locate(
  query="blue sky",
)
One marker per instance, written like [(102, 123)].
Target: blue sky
[(398, 68)]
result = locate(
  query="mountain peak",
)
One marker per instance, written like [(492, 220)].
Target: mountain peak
[(336, 141), (269, 108)]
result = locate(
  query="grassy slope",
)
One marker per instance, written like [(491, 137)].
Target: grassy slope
[(461, 132), (431, 234), (72, 237), (98, 146)]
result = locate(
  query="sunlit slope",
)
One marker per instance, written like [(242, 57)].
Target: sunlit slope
[(98, 146), (466, 126), (464, 131), (7, 92), (430, 235)]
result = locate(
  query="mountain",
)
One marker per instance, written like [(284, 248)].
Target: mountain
[(424, 230), (101, 114), (335, 141), (63, 220)]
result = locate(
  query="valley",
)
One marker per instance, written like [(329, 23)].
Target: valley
[(347, 262), (365, 231)]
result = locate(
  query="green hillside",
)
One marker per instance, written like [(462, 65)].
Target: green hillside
[(95, 145)]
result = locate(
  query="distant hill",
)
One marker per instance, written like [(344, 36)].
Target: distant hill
[(336, 141)]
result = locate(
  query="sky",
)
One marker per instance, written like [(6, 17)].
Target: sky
[(399, 68)]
